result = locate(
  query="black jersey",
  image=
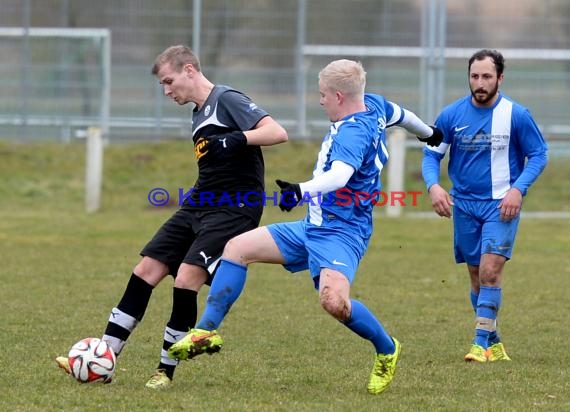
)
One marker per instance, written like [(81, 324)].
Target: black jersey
[(226, 110)]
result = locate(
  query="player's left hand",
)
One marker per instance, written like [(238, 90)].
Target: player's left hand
[(511, 204), (290, 195), (223, 144), (435, 139)]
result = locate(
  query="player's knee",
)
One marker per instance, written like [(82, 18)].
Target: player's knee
[(491, 269), (150, 270), (190, 277), (232, 247), (489, 277), (334, 304), (238, 249)]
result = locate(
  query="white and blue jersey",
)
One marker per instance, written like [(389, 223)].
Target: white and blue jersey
[(488, 149), (358, 140), (338, 225)]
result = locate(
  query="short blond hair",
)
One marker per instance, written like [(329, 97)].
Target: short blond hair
[(346, 76), (177, 57)]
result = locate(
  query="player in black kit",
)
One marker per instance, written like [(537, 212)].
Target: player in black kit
[(226, 200)]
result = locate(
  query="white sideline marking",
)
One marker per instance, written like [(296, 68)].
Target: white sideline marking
[(524, 215)]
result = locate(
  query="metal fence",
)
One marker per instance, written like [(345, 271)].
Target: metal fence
[(49, 89)]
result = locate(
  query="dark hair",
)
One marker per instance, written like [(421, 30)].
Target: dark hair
[(498, 59)]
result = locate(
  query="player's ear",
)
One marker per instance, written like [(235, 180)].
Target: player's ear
[(189, 69), (339, 96), (501, 78)]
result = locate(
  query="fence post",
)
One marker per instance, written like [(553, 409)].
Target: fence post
[(93, 169), (396, 167)]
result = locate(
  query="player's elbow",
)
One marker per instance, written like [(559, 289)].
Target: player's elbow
[(278, 132), (282, 135), (278, 135), (267, 132)]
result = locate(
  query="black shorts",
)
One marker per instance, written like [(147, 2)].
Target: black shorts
[(197, 235)]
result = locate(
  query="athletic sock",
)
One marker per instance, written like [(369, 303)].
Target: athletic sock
[(182, 318), (493, 335), (226, 288), (128, 313), (488, 306), (364, 324), (474, 297)]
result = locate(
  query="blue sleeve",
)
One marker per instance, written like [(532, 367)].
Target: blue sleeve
[(532, 170), (433, 155), (534, 149), (394, 113), (431, 167)]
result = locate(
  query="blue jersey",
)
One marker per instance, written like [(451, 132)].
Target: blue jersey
[(488, 148), (358, 140)]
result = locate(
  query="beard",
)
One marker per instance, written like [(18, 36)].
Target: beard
[(483, 97)]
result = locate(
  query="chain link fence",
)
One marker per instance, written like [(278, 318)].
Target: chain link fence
[(53, 87)]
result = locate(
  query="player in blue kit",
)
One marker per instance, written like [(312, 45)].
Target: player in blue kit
[(496, 152), (332, 239)]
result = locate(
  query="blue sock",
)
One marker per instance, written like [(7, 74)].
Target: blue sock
[(488, 305), (474, 297), (493, 336), (226, 288), (364, 324)]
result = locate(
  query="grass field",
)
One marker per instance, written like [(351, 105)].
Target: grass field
[(63, 270)]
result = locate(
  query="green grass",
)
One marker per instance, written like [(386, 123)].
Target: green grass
[(62, 271)]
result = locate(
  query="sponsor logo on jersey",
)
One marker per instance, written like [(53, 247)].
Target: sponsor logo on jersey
[(200, 148)]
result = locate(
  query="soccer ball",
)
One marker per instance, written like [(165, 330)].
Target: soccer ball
[(92, 360)]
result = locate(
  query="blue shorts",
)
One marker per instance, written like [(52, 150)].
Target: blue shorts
[(305, 246), (478, 229)]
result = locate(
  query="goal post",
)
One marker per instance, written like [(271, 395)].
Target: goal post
[(65, 87), (93, 169), (397, 149), (100, 37)]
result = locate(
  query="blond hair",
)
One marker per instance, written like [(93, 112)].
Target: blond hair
[(346, 76)]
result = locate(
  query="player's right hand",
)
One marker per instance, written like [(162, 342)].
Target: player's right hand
[(440, 200)]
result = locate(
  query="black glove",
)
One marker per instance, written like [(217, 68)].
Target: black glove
[(435, 139), (290, 195), (223, 144)]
